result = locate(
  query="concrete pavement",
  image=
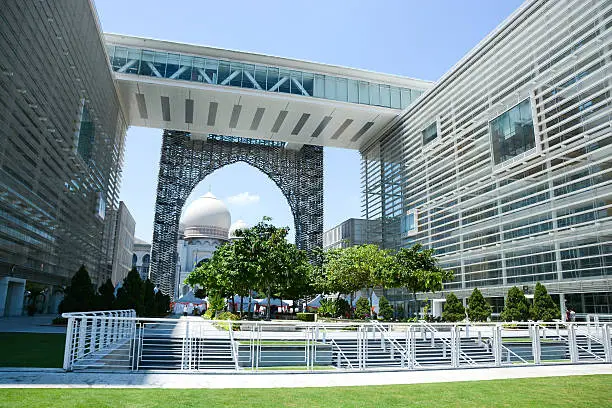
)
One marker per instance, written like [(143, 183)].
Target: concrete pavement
[(51, 378), (40, 323)]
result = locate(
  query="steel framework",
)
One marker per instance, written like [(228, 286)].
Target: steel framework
[(186, 161)]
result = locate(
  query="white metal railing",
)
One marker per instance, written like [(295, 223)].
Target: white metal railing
[(119, 340), (95, 336)]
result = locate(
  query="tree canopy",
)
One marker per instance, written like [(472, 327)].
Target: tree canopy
[(453, 309), (544, 308), (478, 309), (516, 307)]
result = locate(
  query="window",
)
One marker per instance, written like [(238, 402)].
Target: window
[(430, 133), (512, 132), (86, 132), (408, 224), (101, 206)]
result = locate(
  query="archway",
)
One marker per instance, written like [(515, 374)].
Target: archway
[(185, 162)]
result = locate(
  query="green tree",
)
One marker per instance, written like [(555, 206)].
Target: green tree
[(131, 294), (148, 297), (80, 296), (384, 309), (516, 307), (544, 308), (106, 299), (417, 270), (453, 309), (478, 309), (362, 309)]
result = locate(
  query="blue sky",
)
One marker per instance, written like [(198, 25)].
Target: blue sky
[(414, 38)]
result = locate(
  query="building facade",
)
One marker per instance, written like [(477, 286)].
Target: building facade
[(61, 144), (503, 167), (123, 243), (141, 257), (354, 231)]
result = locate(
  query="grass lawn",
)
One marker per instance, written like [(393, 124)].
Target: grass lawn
[(31, 350), (585, 391)]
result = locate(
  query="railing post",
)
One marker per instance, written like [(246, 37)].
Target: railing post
[(455, 346), (497, 345), (535, 343), (605, 339), (92, 338), (82, 335), (571, 338), (69, 346)]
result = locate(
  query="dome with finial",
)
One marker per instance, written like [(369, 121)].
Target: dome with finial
[(206, 217)]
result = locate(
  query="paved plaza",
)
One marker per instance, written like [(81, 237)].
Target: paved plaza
[(56, 378), (30, 324)]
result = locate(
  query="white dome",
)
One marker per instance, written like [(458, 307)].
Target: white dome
[(236, 226), (206, 217)]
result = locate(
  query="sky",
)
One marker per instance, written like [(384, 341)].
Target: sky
[(415, 38)]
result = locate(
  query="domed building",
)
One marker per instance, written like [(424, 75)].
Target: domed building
[(205, 224)]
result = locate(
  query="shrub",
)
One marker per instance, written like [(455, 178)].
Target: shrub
[(362, 310), (208, 314), (477, 307), (227, 316), (334, 308), (306, 317), (544, 308), (385, 311), (216, 304), (516, 308), (453, 309)]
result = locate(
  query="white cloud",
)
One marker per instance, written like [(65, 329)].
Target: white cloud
[(245, 198)]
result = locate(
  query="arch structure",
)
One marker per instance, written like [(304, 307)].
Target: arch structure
[(186, 160)]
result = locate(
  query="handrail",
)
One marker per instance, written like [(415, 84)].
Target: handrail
[(444, 340), (513, 353), (582, 348), (333, 342), (401, 349), (233, 345)]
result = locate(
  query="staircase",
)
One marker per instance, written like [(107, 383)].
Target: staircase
[(426, 354), (166, 353)]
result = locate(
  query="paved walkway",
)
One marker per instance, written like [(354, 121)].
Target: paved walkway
[(51, 378), (31, 324)]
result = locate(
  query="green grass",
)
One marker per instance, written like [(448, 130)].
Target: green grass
[(31, 350), (584, 391)]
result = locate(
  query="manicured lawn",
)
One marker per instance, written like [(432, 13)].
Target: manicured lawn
[(586, 391), (31, 350)]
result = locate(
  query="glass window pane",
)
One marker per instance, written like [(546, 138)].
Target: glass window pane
[(224, 71), (364, 93), (319, 86), (341, 89), (236, 74), (296, 76), (395, 98), (308, 82), (272, 79), (385, 96), (285, 85), (405, 96), (353, 91), (260, 76), (374, 95), (330, 87)]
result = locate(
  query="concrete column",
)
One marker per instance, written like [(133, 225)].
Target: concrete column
[(12, 292), (562, 306)]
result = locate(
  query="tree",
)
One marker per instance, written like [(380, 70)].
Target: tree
[(417, 270), (544, 308), (106, 300), (516, 307), (149, 308), (80, 296), (131, 294), (478, 309), (162, 304), (362, 309), (453, 309), (384, 309)]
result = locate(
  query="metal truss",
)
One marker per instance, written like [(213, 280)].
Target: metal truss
[(186, 161)]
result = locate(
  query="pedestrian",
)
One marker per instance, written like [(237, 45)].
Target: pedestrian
[(567, 315), (573, 315), (185, 310)]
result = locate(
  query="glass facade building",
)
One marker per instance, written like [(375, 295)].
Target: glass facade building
[(208, 70), (504, 167), (61, 143)]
